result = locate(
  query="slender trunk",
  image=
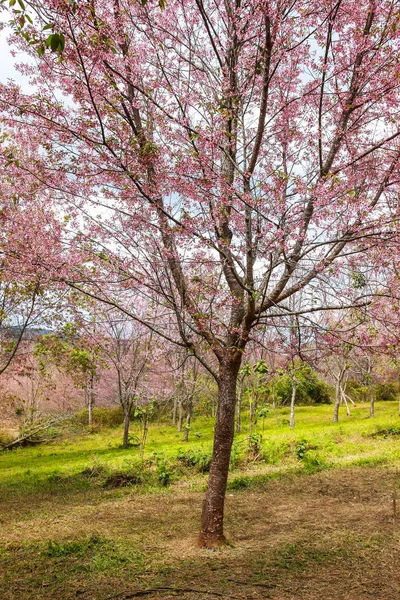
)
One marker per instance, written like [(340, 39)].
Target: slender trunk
[(188, 418), (90, 410), (371, 401), (274, 405), (239, 413), (90, 400), (399, 393), (212, 406), (180, 414), (145, 430), (255, 407), (337, 402), (174, 411), (344, 399), (126, 427), (212, 534), (292, 402)]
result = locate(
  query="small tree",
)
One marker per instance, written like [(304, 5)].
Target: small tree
[(75, 356), (130, 349)]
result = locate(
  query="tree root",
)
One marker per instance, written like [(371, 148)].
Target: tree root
[(138, 593)]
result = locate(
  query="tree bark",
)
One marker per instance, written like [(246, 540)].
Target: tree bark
[(337, 402), (180, 414), (174, 411), (212, 534), (239, 413), (292, 402), (345, 402), (188, 418), (90, 400), (126, 428), (371, 401)]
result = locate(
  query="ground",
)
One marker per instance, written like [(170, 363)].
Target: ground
[(327, 529)]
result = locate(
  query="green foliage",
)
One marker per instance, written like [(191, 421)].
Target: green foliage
[(301, 449), (70, 354), (357, 391), (77, 548), (5, 437), (199, 459), (102, 416), (386, 391), (78, 463), (255, 446), (388, 432), (313, 463), (311, 389), (240, 483), (163, 468), (358, 279), (132, 473)]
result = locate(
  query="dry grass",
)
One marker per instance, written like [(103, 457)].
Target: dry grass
[(333, 535)]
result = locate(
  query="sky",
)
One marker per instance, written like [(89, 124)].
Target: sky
[(7, 62)]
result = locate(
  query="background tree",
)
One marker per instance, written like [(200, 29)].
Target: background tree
[(130, 349), (78, 357)]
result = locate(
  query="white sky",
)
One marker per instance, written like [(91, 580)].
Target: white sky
[(7, 62)]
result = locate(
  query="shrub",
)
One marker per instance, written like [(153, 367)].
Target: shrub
[(102, 416), (133, 473), (385, 433), (313, 463), (311, 389), (254, 449), (386, 391), (239, 483), (5, 437), (164, 473), (199, 459)]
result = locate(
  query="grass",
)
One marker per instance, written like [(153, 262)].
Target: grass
[(83, 517)]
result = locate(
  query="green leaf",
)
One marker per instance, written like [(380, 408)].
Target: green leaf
[(61, 44), (48, 26), (41, 50), (54, 42)]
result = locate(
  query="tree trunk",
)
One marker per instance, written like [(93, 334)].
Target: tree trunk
[(292, 402), (174, 411), (212, 534), (344, 397), (371, 401), (239, 413), (180, 414), (337, 402), (90, 399), (126, 428), (188, 419), (274, 405)]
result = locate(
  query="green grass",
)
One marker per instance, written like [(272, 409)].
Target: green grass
[(82, 463), (83, 517)]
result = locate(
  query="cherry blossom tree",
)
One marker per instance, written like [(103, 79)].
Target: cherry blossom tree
[(129, 348), (215, 157)]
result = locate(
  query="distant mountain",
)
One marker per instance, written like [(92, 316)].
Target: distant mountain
[(30, 333)]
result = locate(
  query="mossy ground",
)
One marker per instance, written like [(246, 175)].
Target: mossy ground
[(308, 521)]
